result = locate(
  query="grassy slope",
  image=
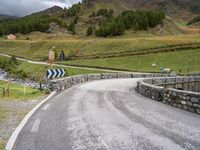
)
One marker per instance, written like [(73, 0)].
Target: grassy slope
[(175, 60), (40, 70), (136, 43), (39, 49), (17, 92)]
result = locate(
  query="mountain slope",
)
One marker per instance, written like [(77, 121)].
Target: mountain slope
[(50, 11), (177, 10), (4, 17), (172, 7), (78, 18)]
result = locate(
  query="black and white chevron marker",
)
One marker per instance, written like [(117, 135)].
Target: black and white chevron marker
[(53, 73)]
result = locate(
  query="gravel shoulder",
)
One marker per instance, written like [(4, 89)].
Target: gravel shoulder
[(11, 114)]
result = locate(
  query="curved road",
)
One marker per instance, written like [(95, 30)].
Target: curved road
[(109, 115)]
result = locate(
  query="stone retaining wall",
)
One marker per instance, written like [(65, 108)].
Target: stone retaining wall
[(155, 89), (193, 86), (64, 83)]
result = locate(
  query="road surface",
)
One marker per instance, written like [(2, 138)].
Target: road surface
[(109, 115)]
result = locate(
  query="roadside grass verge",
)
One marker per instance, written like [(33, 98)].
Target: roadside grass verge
[(17, 92), (39, 71), (3, 111), (2, 144), (174, 60)]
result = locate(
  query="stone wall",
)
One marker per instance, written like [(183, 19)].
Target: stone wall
[(186, 100), (193, 86), (156, 89), (64, 83)]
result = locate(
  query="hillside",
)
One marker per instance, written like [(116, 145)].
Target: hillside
[(170, 6), (134, 50), (50, 11), (5, 17), (88, 14), (177, 11)]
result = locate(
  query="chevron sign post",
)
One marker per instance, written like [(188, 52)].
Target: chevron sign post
[(53, 73)]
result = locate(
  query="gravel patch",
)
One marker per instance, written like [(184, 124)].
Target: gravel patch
[(15, 112)]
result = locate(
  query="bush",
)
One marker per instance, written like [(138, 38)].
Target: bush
[(195, 8), (71, 28), (103, 12), (71, 12), (194, 20), (76, 19), (89, 30), (7, 65), (14, 60), (21, 74), (10, 66), (113, 28)]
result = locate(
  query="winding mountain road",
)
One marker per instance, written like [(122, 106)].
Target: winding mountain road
[(108, 115)]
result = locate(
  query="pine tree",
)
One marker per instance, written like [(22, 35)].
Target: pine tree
[(136, 27), (71, 28), (89, 30)]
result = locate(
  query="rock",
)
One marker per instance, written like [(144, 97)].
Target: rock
[(185, 107), (188, 98), (174, 104), (194, 100), (174, 93), (191, 109), (189, 103), (183, 102), (196, 105), (198, 110)]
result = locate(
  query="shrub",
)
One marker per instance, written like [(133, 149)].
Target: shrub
[(89, 30), (71, 28), (195, 8)]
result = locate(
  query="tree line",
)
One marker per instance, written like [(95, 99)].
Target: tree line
[(72, 11), (195, 8), (102, 12), (41, 22), (25, 25), (136, 20)]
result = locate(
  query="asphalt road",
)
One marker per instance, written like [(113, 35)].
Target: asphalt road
[(109, 115)]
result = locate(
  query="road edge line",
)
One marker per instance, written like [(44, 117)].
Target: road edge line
[(13, 137)]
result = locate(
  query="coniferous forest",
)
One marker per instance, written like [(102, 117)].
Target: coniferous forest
[(112, 25)]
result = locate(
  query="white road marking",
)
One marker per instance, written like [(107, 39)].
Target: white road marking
[(45, 107), (35, 126), (13, 138)]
